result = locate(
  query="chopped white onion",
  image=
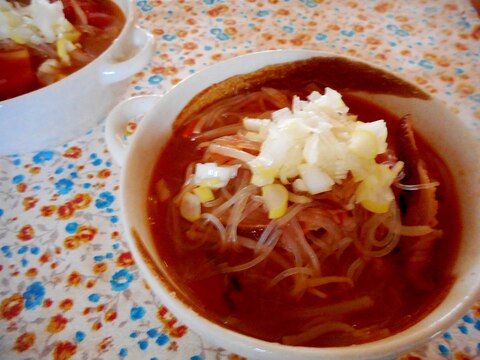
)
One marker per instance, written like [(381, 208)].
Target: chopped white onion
[(190, 207), (315, 180), (320, 142), (255, 124), (213, 175), (299, 186)]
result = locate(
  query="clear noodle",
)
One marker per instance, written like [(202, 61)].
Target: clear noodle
[(268, 249)]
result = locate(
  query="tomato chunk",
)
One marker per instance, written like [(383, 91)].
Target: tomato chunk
[(16, 73)]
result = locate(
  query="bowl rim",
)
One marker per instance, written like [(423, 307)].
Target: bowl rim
[(248, 345)]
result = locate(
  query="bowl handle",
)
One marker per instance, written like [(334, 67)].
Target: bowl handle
[(118, 119), (118, 71)]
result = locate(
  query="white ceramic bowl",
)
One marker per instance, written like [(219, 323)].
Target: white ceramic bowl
[(68, 108), (443, 131)]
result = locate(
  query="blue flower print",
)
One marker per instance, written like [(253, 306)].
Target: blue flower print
[(34, 295), (64, 186), (80, 336), (17, 179), (105, 199), (121, 280), (137, 313), (42, 157), (162, 339)]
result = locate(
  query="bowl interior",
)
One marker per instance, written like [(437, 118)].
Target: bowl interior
[(443, 131)]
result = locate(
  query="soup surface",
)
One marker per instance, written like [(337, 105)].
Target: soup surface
[(322, 268), (46, 41)]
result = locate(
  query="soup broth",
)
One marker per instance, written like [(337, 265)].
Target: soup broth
[(323, 288)]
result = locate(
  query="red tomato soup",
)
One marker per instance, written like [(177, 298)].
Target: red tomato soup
[(31, 59), (322, 268)]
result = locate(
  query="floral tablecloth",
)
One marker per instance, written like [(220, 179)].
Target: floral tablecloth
[(69, 287)]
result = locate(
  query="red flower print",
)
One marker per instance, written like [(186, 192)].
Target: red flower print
[(35, 170), (81, 201), (29, 202), (182, 33), (99, 267), (216, 11), (24, 342), (383, 7), (44, 258), (21, 187), (172, 346), (90, 283), (66, 304), (300, 39), (451, 7), (32, 272), (447, 78), (47, 210), (73, 152), (169, 321), (130, 128), (125, 259), (110, 315), (104, 173), (71, 242), (231, 31), (167, 70), (64, 350), (177, 331), (421, 80), (465, 89), (460, 47), (11, 306), (162, 312), (56, 324), (373, 41), (26, 233), (74, 278), (96, 326), (66, 211), (86, 233)]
